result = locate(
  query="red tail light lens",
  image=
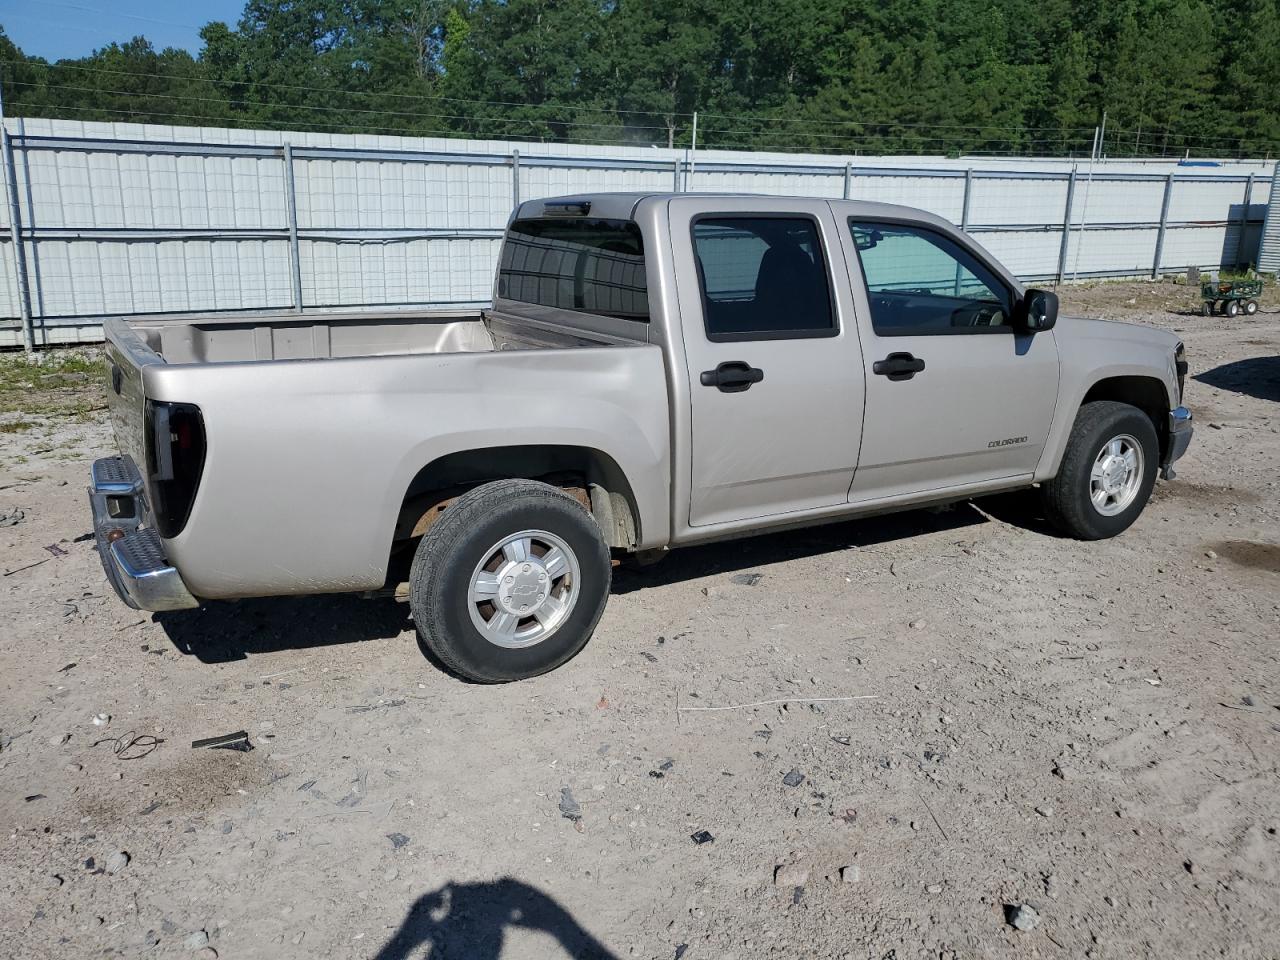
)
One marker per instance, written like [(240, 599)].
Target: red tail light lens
[(175, 461)]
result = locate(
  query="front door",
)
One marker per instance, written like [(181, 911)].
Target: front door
[(955, 395), (774, 365)]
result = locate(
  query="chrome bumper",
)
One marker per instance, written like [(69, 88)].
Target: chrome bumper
[(1180, 430), (132, 553)]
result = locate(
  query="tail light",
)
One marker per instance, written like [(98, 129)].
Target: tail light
[(175, 460), (1180, 367)]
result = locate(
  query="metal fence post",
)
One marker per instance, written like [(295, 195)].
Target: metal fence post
[(291, 203), (1244, 220), (515, 179), (1164, 222), (964, 222), (676, 168), (848, 180), (15, 235), (1066, 224)]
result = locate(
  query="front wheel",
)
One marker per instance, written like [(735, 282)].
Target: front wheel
[(1251, 307), (1231, 308), (509, 582), (1107, 472)]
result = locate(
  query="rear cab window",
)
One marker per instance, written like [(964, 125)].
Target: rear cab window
[(762, 277), (586, 264)]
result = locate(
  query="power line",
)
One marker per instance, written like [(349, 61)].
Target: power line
[(306, 106)]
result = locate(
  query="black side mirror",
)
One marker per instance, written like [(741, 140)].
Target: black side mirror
[(1039, 310)]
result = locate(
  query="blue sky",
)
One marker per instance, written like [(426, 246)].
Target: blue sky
[(72, 28)]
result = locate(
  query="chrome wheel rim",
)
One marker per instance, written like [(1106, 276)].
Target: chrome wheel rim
[(523, 589), (1116, 475)]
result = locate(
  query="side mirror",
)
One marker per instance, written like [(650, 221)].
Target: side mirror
[(1039, 311)]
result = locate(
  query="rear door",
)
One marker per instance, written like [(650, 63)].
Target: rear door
[(774, 365), (955, 395)]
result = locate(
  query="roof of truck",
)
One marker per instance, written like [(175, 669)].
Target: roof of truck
[(623, 205)]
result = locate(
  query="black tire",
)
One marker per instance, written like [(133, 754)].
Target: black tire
[(1231, 308), (454, 546), (1206, 308), (1251, 307), (1067, 499)]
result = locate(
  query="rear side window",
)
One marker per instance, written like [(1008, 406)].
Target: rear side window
[(591, 265), (762, 278)]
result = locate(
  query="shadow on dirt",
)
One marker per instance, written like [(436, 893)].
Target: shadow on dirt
[(470, 920), (226, 631), (230, 630), (690, 563), (1256, 377)]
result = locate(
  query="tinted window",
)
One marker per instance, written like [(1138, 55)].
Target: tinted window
[(762, 278), (921, 282), (585, 264)]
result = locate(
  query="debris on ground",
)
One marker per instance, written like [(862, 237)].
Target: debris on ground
[(398, 840), (701, 837), (746, 579), (793, 779), (570, 809), (790, 875), (116, 862), (228, 741), (1021, 916), (13, 517)]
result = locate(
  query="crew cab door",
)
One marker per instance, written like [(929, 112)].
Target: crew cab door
[(774, 365), (955, 394)]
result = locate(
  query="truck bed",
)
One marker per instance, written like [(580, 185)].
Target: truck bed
[(219, 338)]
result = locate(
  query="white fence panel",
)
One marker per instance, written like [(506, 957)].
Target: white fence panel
[(127, 218)]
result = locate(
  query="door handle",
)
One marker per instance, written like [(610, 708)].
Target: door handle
[(732, 376), (898, 366)]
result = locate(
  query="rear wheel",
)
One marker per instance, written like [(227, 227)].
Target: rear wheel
[(1231, 308), (1206, 308), (1107, 472), (1251, 307), (509, 582)]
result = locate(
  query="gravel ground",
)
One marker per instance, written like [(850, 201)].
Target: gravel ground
[(988, 728)]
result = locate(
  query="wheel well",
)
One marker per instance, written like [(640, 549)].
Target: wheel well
[(1146, 393), (589, 475)]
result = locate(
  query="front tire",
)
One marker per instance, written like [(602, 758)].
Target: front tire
[(1107, 472), (1231, 308), (509, 582)]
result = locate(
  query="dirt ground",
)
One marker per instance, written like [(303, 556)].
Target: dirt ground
[(1091, 730)]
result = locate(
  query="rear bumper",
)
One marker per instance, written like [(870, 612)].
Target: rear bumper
[(1180, 431), (132, 552)]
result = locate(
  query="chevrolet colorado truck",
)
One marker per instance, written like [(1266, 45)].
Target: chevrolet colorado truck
[(656, 370)]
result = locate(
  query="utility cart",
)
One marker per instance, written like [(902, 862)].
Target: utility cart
[(1230, 297)]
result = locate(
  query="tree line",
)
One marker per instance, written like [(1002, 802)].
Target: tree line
[(1027, 77)]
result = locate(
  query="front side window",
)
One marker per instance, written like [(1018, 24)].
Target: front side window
[(762, 278), (591, 265), (921, 282)]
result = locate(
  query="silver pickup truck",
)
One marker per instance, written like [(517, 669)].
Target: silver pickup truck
[(657, 370)]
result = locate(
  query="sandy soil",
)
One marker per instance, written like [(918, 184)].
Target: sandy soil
[(1091, 730)]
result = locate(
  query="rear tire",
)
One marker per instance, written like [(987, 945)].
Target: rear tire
[(1206, 308), (1251, 307), (509, 582), (1107, 472), (1231, 308)]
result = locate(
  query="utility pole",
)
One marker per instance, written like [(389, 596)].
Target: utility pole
[(694, 149)]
